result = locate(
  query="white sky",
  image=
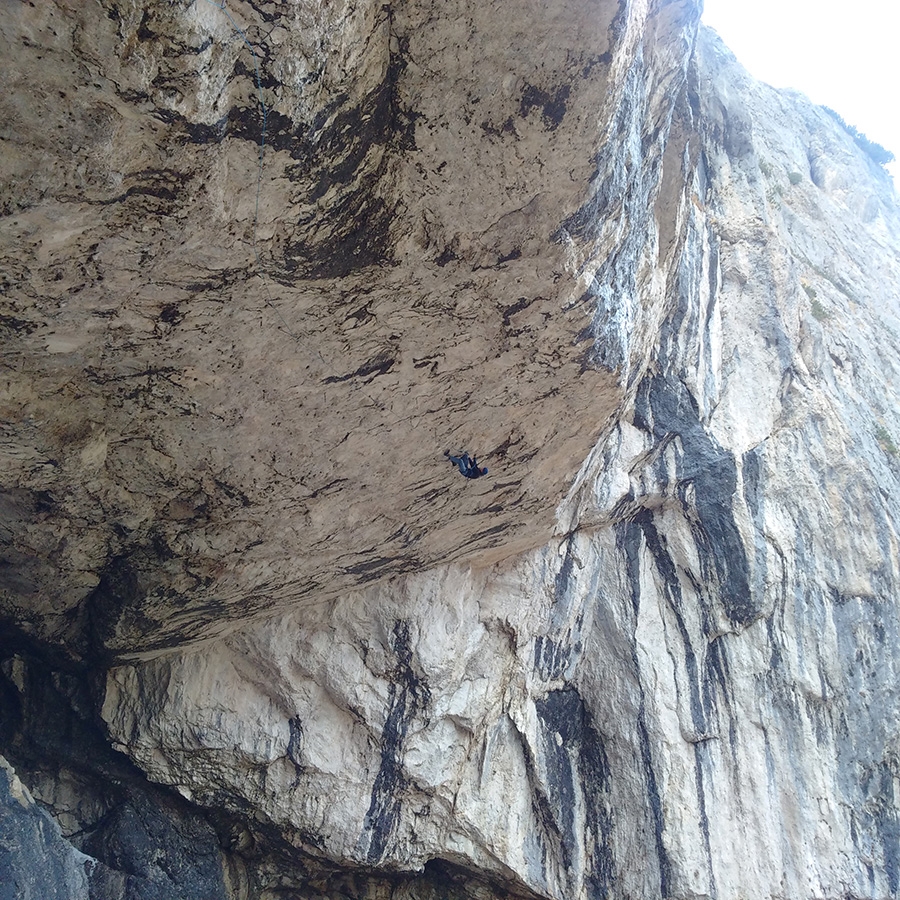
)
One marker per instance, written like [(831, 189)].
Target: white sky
[(846, 56)]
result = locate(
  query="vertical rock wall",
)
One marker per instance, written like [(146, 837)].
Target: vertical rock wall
[(691, 689)]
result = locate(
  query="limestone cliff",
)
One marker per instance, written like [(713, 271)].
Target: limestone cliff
[(261, 640), (265, 265)]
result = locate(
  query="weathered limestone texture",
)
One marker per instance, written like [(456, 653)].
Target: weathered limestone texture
[(456, 250), (693, 691), (656, 654), (98, 830)]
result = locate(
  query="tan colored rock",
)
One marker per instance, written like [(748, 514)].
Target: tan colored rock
[(655, 654), (691, 693), (216, 411)]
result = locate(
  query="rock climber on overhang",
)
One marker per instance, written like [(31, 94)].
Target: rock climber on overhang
[(468, 467)]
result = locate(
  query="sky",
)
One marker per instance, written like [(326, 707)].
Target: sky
[(846, 56)]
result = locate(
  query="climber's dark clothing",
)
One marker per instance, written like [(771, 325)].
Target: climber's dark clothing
[(468, 467)]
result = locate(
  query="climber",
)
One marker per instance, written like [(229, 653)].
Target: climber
[(468, 467)]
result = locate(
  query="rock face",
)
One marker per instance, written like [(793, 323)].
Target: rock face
[(264, 267), (35, 860), (654, 654)]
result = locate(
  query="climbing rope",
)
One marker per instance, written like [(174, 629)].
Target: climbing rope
[(262, 152)]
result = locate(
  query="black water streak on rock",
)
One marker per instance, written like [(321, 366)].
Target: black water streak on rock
[(157, 192), (344, 147), (408, 695), (666, 409), (326, 489), (717, 673), (709, 681), (353, 231), (701, 758), (555, 652), (864, 728), (683, 320), (879, 815), (19, 326), (359, 237), (445, 257), (612, 193), (620, 188), (889, 832), (488, 532), (405, 536), (497, 131), (514, 254), (363, 315), (602, 59), (521, 304), (295, 743), (552, 106), (754, 497), (380, 566), (551, 658), (577, 777), (563, 578), (378, 365), (672, 587), (170, 314), (654, 799), (548, 833)]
